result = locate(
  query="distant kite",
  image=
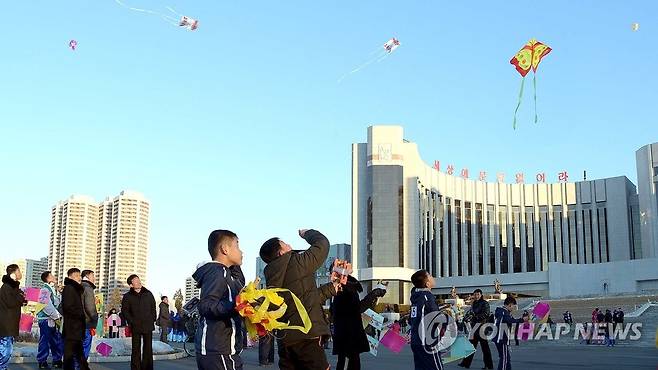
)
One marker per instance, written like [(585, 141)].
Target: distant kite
[(635, 26), (528, 58), (379, 55), (73, 44), (183, 21)]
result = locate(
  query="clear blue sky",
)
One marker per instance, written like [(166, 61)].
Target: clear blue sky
[(242, 125)]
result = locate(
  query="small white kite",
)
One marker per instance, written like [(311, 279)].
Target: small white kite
[(379, 55), (189, 23)]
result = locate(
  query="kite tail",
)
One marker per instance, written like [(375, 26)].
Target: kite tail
[(534, 85), (519, 103)]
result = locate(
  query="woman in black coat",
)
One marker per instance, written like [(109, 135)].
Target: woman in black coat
[(349, 336)]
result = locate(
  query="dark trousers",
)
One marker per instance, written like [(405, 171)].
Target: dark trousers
[(266, 350), (141, 359), (73, 352), (307, 354), (486, 352), (218, 362), (50, 342), (504, 359), (353, 361), (426, 360), (164, 330)]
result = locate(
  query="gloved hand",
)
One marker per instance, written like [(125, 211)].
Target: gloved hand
[(379, 292)]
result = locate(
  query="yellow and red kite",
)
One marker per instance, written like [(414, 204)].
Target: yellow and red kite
[(528, 58)]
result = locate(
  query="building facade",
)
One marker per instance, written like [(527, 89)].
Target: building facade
[(73, 235), (407, 215), (191, 290), (111, 238), (31, 269)]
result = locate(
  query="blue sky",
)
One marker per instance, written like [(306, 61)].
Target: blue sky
[(241, 124)]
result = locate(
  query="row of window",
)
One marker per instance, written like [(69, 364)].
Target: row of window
[(507, 242)]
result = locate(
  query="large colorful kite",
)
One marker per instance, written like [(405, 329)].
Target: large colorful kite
[(528, 58)]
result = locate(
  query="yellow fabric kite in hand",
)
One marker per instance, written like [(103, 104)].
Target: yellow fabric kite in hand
[(262, 309)]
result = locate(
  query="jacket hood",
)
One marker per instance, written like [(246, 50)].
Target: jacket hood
[(74, 284), (11, 282), (206, 271), (88, 283), (275, 271), (418, 295)]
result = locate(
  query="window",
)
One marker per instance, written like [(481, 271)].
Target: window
[(479, 238), (469, 241), (448, 258), (557, 233), (458, 220), (530, 241), (502, 234), (491, 231), (516, 238)]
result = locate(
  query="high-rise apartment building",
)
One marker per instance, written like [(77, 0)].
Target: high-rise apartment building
[(111, 238), (191, 290)]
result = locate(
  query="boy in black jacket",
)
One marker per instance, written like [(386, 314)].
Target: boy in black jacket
[(11, 300), (219, 339), (505, 324), (74, 321), (296, 271), (138, 305)]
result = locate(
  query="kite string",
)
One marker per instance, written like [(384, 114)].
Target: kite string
[(534, 84), (519, 103), (381, 56), (169, 19)]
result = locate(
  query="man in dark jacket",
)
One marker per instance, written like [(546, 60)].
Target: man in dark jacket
[(480, 314), (219, 338), (296, 271), (74, 321), (11, 300), (89, 304), (138, 305), (505, 324), (164, 318)]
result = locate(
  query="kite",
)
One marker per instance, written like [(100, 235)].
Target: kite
[(184, 21), (189, 23), (73, 44), (254, 305), (376, 56), (635, 26), (528, 58)]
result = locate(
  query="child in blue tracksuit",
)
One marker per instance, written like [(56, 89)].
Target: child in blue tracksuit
[(503, 321), (424, 345), (218, 340)]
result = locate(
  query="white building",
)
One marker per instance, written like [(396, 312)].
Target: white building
[(73, 236), (191, 290), (110, 238), (535, 238)]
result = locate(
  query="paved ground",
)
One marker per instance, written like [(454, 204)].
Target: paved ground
[(533, 356)]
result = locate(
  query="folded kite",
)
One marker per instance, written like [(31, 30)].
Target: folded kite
[(262, 309)]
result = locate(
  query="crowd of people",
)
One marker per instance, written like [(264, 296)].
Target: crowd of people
[(221, 335), (68, 321)]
